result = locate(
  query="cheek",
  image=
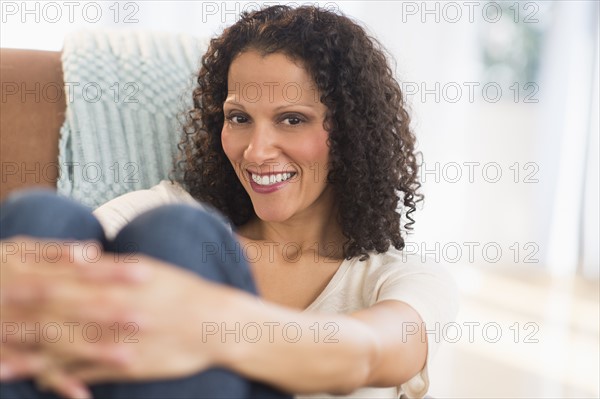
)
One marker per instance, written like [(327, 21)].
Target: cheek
[(314, 153), (231, 148), (320, 150)]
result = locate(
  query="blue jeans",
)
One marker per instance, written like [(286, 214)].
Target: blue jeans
[(173, 233)]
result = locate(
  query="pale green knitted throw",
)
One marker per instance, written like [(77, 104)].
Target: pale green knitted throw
[(125, 91)]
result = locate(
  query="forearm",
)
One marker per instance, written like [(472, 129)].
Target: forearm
[(298, 352)]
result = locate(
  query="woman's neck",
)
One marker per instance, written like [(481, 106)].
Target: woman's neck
[(316, 230)]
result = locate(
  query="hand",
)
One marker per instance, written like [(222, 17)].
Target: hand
[(19, 257), (153, 328), (115, 324)]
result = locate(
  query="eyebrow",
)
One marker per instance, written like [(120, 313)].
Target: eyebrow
[(308, 105), (234, 103)]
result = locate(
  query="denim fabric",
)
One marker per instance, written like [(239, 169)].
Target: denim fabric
[(179, 234)]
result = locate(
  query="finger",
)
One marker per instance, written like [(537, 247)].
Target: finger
[(116, 268), (110, 355), (27, 252), (76, 345), (66, 385), (26, 290), (19, 331), (18, 365), (15, 364), (94, 374), (76, 253)]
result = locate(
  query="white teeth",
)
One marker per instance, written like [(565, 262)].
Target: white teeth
[(268, 180)]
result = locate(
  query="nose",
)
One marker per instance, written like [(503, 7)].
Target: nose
[(263, 144)]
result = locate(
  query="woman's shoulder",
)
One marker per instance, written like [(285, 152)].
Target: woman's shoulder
[(387, 275), (396, 261), (398, 270), (393, 274)]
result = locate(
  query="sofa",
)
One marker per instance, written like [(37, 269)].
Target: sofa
[(98, 119), (32, 111)]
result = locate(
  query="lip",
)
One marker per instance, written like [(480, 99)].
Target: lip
[(267, 189)]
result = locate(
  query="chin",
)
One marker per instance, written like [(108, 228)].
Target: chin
[(272, 215)]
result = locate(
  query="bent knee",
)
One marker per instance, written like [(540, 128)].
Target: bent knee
[(189, 237), (44, 214), (174, 220)]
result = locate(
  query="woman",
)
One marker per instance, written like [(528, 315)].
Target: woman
[(299, 136)]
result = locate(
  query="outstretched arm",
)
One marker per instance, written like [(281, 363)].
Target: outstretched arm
[(174, 336), (325, 352)]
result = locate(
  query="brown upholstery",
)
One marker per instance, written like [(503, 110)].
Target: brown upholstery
[(32, 110)]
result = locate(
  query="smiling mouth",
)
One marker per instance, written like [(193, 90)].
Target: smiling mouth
[(270, 179)]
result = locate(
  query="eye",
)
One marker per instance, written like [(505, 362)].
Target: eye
[(292, 119), (236, 119)]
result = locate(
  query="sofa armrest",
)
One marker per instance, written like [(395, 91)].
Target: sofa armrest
[(32, 111)]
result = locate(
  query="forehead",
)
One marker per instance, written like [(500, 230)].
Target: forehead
[(254, 76)]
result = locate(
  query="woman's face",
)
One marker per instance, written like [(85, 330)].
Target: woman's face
[(273, 136)]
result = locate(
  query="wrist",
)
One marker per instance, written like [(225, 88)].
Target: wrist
[(221, 329)]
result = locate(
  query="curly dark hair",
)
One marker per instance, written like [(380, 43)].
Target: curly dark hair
[(373, 163)]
